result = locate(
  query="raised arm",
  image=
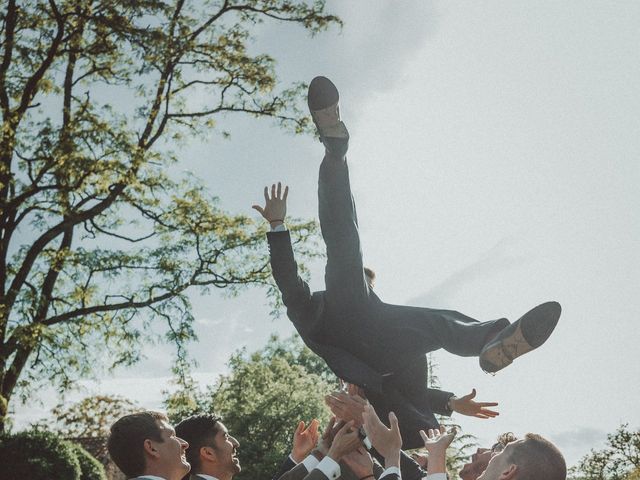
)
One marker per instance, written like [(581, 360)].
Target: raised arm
[(295, 291)]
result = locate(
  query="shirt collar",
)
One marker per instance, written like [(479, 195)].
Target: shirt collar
[(206, 477)]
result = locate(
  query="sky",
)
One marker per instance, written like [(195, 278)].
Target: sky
[(494, 159)]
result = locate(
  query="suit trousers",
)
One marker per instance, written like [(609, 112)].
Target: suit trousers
[(387, 336)]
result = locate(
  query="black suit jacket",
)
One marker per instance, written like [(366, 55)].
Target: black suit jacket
[(314, 321)]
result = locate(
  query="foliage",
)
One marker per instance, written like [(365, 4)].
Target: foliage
[(99, 240), (92, 416), (37, 455), (619, 460), (90, 467), (261, 400)]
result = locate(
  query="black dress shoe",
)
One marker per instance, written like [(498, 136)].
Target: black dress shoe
[(322, 99), (528, 333)]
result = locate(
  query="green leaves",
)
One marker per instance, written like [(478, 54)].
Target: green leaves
[(97, 240), (619, 460)]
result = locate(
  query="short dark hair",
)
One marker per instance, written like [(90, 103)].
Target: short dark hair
[(503, 440), (199, 431), (538, 459), (126, 441)]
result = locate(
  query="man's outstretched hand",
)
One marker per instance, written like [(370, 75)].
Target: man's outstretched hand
[(346, 407), (436, 443), (304, 440), (275, 207), (467, 406), (387, 441)]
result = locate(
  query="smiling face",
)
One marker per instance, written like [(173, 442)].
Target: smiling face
[(478, 464), (170, 452), (226, 450), (500, 466)]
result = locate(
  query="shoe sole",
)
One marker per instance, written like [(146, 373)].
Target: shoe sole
[(532, 330), (322, 94)]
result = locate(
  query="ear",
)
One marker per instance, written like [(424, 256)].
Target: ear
[(208, 454), (509, 473), (150, 449)]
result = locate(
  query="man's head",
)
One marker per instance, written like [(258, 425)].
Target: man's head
[(145, 443), (532, 458), (480, 459), (212, 450)]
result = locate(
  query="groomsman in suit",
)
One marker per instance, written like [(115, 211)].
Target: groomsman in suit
[(375, 345), (145, 447), (213, 451)]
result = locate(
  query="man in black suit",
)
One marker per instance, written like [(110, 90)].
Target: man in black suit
[(378, 346)]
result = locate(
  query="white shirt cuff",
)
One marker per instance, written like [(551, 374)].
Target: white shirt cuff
[(292, 459), (329, 467), (279, 228), (391, 471), (310, 462), (436, 476)]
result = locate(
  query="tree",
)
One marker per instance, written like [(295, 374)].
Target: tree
[(261, 400), (39, 455), (98, 242), (91, 417), (619, 460)]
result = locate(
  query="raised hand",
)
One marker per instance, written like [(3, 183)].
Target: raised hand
[(345, 441), (387, 441), (275, 207), (467, 406), (360, 462), (304, 440), (436, 443), (346, 407)]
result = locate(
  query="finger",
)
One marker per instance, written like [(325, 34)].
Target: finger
[(313, 427), (330, 399), (279, 189), (341, 397), (299, 428), (488, 404), (329, 427), (345, 428), (266, 194), (286, 193), (473, 393), (442, 429), (273, 190), (393, 422), (258, 208), (479, 415), (424, 436), (486, 411)]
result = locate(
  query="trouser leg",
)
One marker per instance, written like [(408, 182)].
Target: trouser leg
[(344, 275), (421, 330)]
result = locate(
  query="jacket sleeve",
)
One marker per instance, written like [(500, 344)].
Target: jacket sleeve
[(295, 291), (438, 401), (298, 472), (285, 466)]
